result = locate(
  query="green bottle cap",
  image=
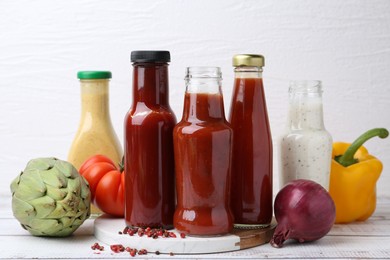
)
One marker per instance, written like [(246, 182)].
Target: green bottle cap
[(94, 74)]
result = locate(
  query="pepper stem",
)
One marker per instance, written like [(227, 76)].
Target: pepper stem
[(347, 158)]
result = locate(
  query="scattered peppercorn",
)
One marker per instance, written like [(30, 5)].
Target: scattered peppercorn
[(96, 246), (117, 248), (143, 252), (150, 232)]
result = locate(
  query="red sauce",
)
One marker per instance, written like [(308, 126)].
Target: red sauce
[(251, 199), (149, 159), (203, 143)]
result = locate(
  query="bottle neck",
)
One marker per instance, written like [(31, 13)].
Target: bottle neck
[(150, 83), (247, 72), (95, 98), (203, 98), (203, 107), (305, 108)]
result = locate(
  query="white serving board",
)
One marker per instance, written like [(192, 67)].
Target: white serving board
[(106, 229)]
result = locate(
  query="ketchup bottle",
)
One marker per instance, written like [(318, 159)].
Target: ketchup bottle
[(203, 150), (251, 200), (148, 140)]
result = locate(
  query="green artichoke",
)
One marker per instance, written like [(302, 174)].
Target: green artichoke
[(50, 198)]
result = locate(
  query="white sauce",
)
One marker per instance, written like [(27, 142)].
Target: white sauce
[(306, 148)]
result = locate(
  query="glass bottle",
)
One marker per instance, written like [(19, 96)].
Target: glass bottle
[(251, 200), (203, 151), (306, 147), (95, 134), (149, 159)]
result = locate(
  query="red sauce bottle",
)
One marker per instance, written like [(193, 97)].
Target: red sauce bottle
[(203, 150), (251, 200), (148, 140)]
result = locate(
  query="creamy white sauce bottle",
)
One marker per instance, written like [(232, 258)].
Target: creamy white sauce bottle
[(306, 146)]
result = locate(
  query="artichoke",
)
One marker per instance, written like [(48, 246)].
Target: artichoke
[(50, 198)]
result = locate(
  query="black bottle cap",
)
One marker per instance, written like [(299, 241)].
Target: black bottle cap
[(150, 56)]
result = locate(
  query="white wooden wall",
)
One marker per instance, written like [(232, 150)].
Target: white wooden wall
[(43, 44)]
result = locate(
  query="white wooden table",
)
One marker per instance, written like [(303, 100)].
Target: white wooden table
[(366, 240)]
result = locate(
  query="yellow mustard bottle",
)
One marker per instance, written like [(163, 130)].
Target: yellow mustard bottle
[(95, 134)]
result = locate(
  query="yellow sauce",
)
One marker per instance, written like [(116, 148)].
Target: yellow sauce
[(95, 134)]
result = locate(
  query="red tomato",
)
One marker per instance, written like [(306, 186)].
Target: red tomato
[(106, 183)]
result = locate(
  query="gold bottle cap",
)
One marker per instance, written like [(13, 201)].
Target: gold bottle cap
[(250, 60)]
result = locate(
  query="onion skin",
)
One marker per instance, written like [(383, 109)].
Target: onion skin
[(304, 211)]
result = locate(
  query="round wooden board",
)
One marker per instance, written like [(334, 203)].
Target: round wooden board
[(107, 229)]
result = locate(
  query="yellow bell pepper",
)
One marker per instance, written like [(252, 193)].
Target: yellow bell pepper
[(353, 177)]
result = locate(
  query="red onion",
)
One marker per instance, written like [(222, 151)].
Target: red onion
[(304, 211)]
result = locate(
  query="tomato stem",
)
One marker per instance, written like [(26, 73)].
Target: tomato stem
[(121, 164)]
